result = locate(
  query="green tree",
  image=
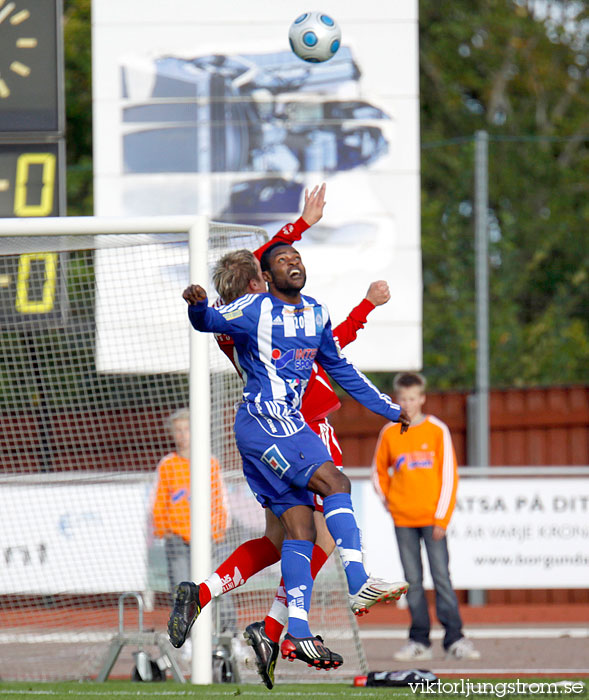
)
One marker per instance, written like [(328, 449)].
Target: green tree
[(78, 99), (523, 78)]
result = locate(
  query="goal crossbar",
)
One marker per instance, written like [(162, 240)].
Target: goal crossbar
[(97, 225)]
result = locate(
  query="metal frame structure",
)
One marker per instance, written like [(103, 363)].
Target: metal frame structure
[(140, 638), (197, 228)]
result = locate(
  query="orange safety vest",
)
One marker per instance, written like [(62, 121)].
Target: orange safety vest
[(171, 506), (415, 474)]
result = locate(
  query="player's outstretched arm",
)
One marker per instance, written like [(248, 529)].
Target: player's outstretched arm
[(356, 383), (347, 331), (312, 212), (228, 319)]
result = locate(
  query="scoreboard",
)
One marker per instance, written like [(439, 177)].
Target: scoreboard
[(32, 153), (29, 179), (30, 58)]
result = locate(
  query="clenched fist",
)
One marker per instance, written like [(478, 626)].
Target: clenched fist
[(378, 293), (194, 294)]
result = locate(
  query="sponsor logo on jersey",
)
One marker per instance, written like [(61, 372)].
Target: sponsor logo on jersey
[(281, 360), (233, 314), (304, 358), (277, 321), (415, 460), (180, 495)]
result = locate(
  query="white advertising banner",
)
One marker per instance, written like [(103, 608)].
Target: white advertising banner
[(505, 533), (73, 538), (202, 108)]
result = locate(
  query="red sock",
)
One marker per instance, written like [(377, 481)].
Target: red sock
[(273, 626), (204, 595), (249, 558), (318, 558)]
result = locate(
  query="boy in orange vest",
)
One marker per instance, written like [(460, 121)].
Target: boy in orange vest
[(415, 475), (171, 505)]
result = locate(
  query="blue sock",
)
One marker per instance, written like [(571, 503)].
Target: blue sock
[(298, 583), (342, 525)]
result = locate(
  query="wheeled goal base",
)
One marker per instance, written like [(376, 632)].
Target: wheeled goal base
[(139, 638)]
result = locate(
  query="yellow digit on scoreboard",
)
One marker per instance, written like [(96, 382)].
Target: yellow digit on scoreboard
[(23, 304), (23, 164)]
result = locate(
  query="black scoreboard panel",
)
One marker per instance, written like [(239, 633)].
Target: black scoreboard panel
[(30, 65)]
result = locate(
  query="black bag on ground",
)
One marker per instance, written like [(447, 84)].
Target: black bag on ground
[(399, 678)]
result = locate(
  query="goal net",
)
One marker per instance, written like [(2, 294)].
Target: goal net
[(94, 359)]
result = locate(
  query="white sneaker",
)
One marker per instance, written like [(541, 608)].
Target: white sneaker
[(374, 591), (463, 648), (413, 651)]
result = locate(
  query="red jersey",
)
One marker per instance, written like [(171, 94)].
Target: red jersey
[(288, 234), (319, 399)]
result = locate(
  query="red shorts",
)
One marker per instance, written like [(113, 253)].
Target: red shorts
[(325, 430)]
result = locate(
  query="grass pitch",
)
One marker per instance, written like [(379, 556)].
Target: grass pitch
[(72, 690), (573, 689)]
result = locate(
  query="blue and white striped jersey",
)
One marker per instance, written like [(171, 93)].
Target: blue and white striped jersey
[(277, 344)]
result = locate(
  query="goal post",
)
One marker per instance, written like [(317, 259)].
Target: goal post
[(200, 459), (96, 354)]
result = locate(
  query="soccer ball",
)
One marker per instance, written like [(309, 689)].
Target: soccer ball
[(314, 36)]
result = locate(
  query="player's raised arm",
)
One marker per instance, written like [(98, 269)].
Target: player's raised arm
[(346, 332), (356, 383), (314, 205), (228, 319), (312, 213)]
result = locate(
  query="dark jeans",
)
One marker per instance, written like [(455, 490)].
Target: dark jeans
[(408, 539)]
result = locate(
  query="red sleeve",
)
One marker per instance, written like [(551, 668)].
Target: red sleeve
[(347, 330), (287, 234)]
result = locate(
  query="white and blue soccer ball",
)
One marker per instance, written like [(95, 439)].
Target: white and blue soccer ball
[(315, 37)]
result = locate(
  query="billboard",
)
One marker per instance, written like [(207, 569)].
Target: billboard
[(75, 538), (504, 533), (201, 108)]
